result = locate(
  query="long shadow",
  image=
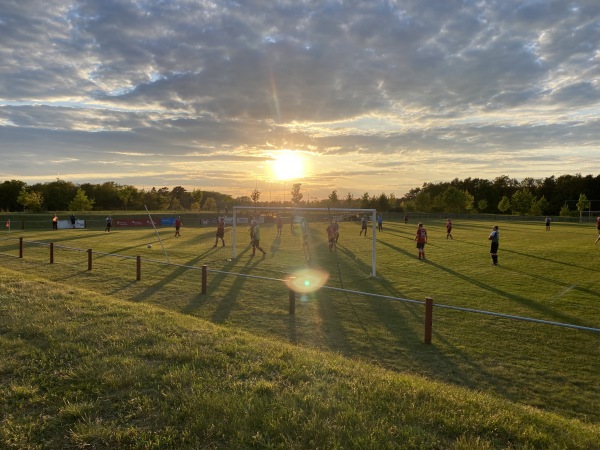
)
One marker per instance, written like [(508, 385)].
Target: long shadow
[(547, 312), (177, 272), (554, 261), (228, 302)]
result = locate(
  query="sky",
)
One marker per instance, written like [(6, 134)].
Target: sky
[(354, 96)]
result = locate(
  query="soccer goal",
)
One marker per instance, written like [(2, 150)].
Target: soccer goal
[(301, 233)]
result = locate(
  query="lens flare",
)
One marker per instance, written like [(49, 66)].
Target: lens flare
[(307, 280)]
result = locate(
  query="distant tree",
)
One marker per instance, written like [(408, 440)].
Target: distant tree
[(452, 200), (125, 193), (539, 206), (243, 201), (521, 201), (482, 205), (106, 196), (57, 194), (422, 201), (504, 204), (179, 198), (350, 199), (333, 197), (9, 194), (582, 204), (393, 201), (365, 200), (81, 202), (197, 196), (468, 201), (255, 196), (31, 200), (210, 204), (383, 203), (565, 211), (296, 194)]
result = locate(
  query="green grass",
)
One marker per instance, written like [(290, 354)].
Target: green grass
[(83, 370), (546, 275)]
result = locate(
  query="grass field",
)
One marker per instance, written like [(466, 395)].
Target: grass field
[(552, 276)]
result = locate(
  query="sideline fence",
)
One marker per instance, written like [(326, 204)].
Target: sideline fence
[(428, 302)]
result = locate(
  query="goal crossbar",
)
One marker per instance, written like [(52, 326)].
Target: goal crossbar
[(328, 211)]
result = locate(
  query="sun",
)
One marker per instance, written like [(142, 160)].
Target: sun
[(287, 165)]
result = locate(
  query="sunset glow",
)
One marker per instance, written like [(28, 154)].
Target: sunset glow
[(288, 165)]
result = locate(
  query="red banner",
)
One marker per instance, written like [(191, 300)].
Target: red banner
[(132, 222)]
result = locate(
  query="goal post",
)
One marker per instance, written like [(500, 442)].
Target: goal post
[(242, 215)]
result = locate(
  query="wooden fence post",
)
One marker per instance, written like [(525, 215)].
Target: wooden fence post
[(20, 247), (89, 258), (292, 302), (204, 278), (51, 252), (428, 319), (138, 271)]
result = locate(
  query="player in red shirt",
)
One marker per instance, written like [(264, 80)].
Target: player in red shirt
[(598, 226), (421, 239), (177, 226), (449, 229)]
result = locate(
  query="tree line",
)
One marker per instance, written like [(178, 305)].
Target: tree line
[(502, 195), (561, 195)]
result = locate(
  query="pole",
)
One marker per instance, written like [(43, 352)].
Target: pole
[(204, 278), (89, 252), (21, 247), (292, 302), (51, 252), (138, 269), (157, 235)]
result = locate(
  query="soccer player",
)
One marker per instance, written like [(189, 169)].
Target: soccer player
[(305, 234), (256, 240), (108, 224), (331, 235), (449, 229), (495, 238), (380, 222), (421, 239), (55, 222), (279, 222), (363, 226), (336, 230), (548, 221), (177, 226), (598, 226), (220, 232)]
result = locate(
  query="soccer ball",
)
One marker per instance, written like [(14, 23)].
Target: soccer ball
[(149, 245)]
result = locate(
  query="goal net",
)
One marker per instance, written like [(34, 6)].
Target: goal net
[(299, 237)]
